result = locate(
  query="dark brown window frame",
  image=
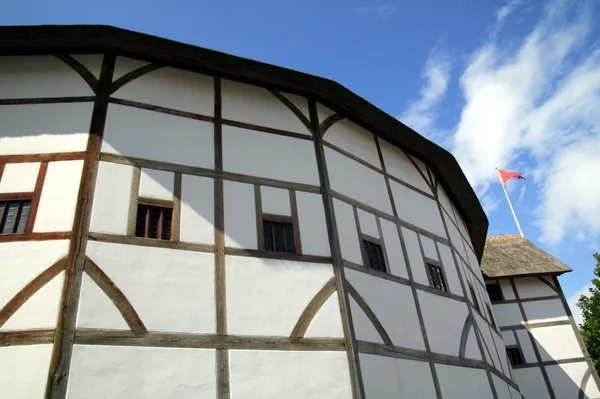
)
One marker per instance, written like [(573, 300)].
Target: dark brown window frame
[(497, 288), (283, 221), (16, 221), (365, 241), (157, 204), (430, 264), (515, 355)]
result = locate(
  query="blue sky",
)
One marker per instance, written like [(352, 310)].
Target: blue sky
[(513, 84)]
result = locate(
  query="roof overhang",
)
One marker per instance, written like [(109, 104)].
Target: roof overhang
[(81, 39)]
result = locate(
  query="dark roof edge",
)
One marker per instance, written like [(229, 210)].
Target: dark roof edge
[(44, 39), (503, 276)]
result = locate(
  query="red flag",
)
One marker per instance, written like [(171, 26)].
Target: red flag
[(507, 175)]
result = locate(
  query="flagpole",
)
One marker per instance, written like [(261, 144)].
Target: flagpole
[(510, 203)]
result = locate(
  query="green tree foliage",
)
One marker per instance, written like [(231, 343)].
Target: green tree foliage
[(590, 310)]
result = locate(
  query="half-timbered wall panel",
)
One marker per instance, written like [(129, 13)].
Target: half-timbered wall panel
[(429, 248), (327, 321), (415, 257), (455, 237), (24, 371), (311, 220), (417, 209), (96, 309), (289, 374), (452, 278), (92, 62), (156, 136), (268, 155), (556, 342), (125, 65), (355, 140), (156, 184), (531, 287), (19, 177), (566, 379), (390, 378), (39, 76), (59, 197), (358, 182), (531, 383), (197, 210), (170, 289), (364, 330), (138, 372), (400, 322), (172, 88), (346, 225), (257, 106), (276, 201), (444, 320), (526, 346), (268, 296), (399, 166), (368, 223), (487, 341), (548, 310), (110, 210), (393, 247), (44, 128), (462, 382), (240, 215), (502, 388)]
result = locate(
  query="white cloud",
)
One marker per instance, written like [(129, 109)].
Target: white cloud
[(381, 10), (572, 301), (505, 10)]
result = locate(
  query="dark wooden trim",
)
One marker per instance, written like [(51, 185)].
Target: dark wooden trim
[(312, 309), (176, 221), (162, 110), (204, 172), (375, 273), (328, 122), (277, 218), (546, 363), (265, 129), (136, 73), (371, 239), (223, 390), (256, 253), (584, 381), (46, 100), (370, 314), (260, 235), (58, 156), (464, 336), (295, 223), (293, 108), (134, 194), (525, 300), (150, 242), (529, 325), (352, 157), (435, 291), (16, 196), (29, 290), (155, 202), (116, 296), (207, 341), (28, 337), (552, 287), (60, 235), (89, 78), (62, 351), (2, 165), (412, 161), (37, 196)]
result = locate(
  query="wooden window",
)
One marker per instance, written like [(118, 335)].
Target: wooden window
[(13, 216), (436, 277), (514, 355), (153, 222), (374, 254), (495, 292), (279, 237), (474, 298), (489, 310)]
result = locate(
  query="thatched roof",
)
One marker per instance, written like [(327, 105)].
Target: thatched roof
[(511, 255)]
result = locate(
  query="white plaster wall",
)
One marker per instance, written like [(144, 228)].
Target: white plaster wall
[(455, 237), (152, 135), (19, 177), (421, 165), (417, 209), (96, 309), (172, 88), (429, 248), (383, 297), (556, 342), (353, 139), (323, 112), (267, 296), (452, 278), (312, 224), (444, 319), (269, 155), (549, 310), (41, 310), (514, 393), (566, 379), (357, 181), (526, 347), (368, 223), (415, 258), (509, 338), (197, 210), (59, 197), (445, 201), (125, 65), (472, 349), (39, 76), (110, 210), (289, 375), (170, 289), (275, 201), (141, 372), (256, 105), (501, 351), (157, 184), (44, 128), (398, 165), (24, 371), (240, 215), (327, 321), (531, 287), (462, 382), (507, 291), (531, 383), (488, 342), (300, 102), (393, 247), (390, 378), (92, 62), (473, 262), (507, 314), (346, 226), (364, 329), (501, 388)]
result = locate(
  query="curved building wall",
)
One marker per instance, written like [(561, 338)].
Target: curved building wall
[(208, 312)]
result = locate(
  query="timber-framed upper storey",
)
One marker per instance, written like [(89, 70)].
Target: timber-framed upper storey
[(52, 39)]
